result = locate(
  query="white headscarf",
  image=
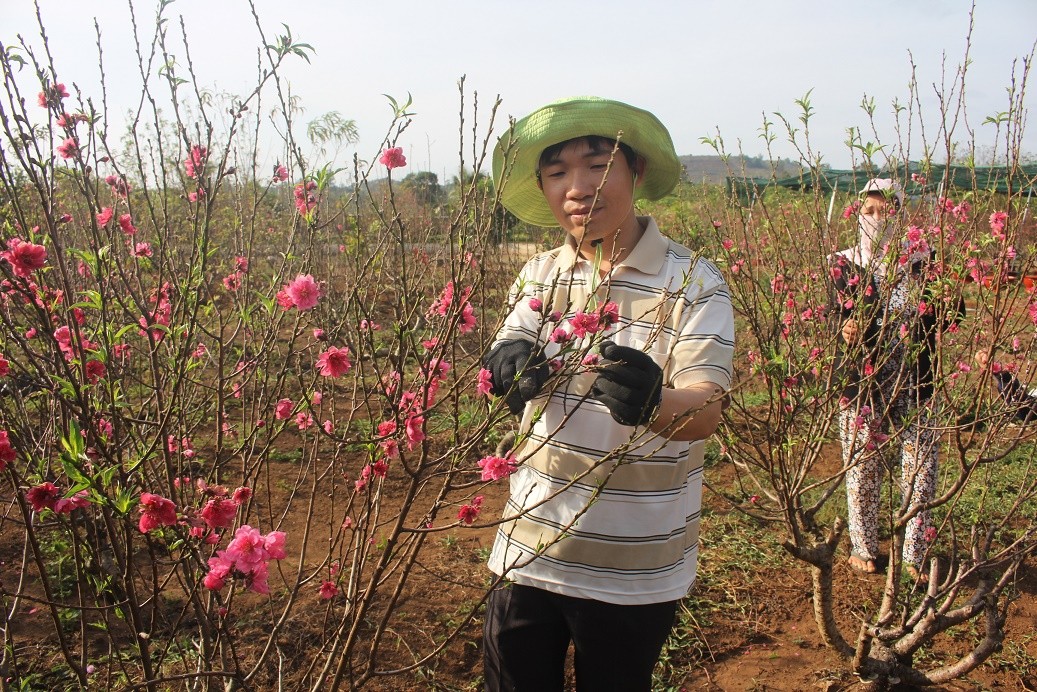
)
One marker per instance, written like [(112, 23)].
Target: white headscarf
[(873, 234)]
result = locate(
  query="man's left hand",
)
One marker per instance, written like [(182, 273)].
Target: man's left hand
[(629, 383)]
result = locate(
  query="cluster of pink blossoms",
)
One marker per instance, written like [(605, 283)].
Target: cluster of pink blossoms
[(959, 211), (184, 446), (49, 496), (156, 511), (105, 216), (285, 409), (118, 185), (305, 197), (51, 96), (997, 225), (194, 165), (484, 383), (583, 323), (246, 557), (916, 244), (411, 406), (447, 300), (280, 173), (218, 511), (232, 281), (495, 468), (158, 320), (302, 293), (68, 121)]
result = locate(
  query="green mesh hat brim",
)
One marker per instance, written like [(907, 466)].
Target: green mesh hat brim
[(568, 119)]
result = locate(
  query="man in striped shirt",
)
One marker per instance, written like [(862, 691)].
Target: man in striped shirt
[(617, 353)]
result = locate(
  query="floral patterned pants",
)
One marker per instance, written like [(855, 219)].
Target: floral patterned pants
[(864, 435)]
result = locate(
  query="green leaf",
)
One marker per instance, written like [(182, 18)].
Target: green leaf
[(74, 443), (123, 501), (74, 473)]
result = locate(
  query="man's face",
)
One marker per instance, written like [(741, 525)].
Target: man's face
[(585, 202)]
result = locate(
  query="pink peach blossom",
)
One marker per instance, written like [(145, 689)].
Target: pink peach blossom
[(393, 158), (334, 362), (126, 224), (232, 282), (304, 420), (305, 197), (389, 445), (7, 453), (328, 590), (69, 148), (52, 95), (469, 512), (43, 496), (155, 511), (415, 430), (283, 409), (584, 323), (219, 513), (66, 505), (24, 257), (95, 371), (484, 385), (304, 291)]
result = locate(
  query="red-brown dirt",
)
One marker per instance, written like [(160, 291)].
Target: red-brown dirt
[(760, 636)]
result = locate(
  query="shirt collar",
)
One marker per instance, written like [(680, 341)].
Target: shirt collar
[(647, 256)]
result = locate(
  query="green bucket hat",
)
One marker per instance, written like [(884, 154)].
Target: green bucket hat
[(579, 117)]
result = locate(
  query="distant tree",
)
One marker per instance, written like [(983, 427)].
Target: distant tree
[(426, 188), (331, 128), (481, 186)]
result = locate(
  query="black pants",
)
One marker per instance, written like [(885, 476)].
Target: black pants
[(528, 630)]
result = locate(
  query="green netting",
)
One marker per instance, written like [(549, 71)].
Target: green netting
[(1017, 180)]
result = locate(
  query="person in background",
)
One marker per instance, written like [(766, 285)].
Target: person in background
[(1021, 403), (617, 352), (890, 322)]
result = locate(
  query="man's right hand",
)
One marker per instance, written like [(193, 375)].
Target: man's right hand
[(515, 358)]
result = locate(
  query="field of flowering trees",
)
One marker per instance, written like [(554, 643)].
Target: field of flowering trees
[(246, 443)]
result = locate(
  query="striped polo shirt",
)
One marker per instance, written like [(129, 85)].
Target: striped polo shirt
[(597, 509)]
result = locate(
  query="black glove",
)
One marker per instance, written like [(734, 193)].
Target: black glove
[(509, 359), (629, 383)]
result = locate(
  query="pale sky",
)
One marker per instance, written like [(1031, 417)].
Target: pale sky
[(698, 66)]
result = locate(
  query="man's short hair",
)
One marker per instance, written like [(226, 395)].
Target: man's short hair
[(596, 143)]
